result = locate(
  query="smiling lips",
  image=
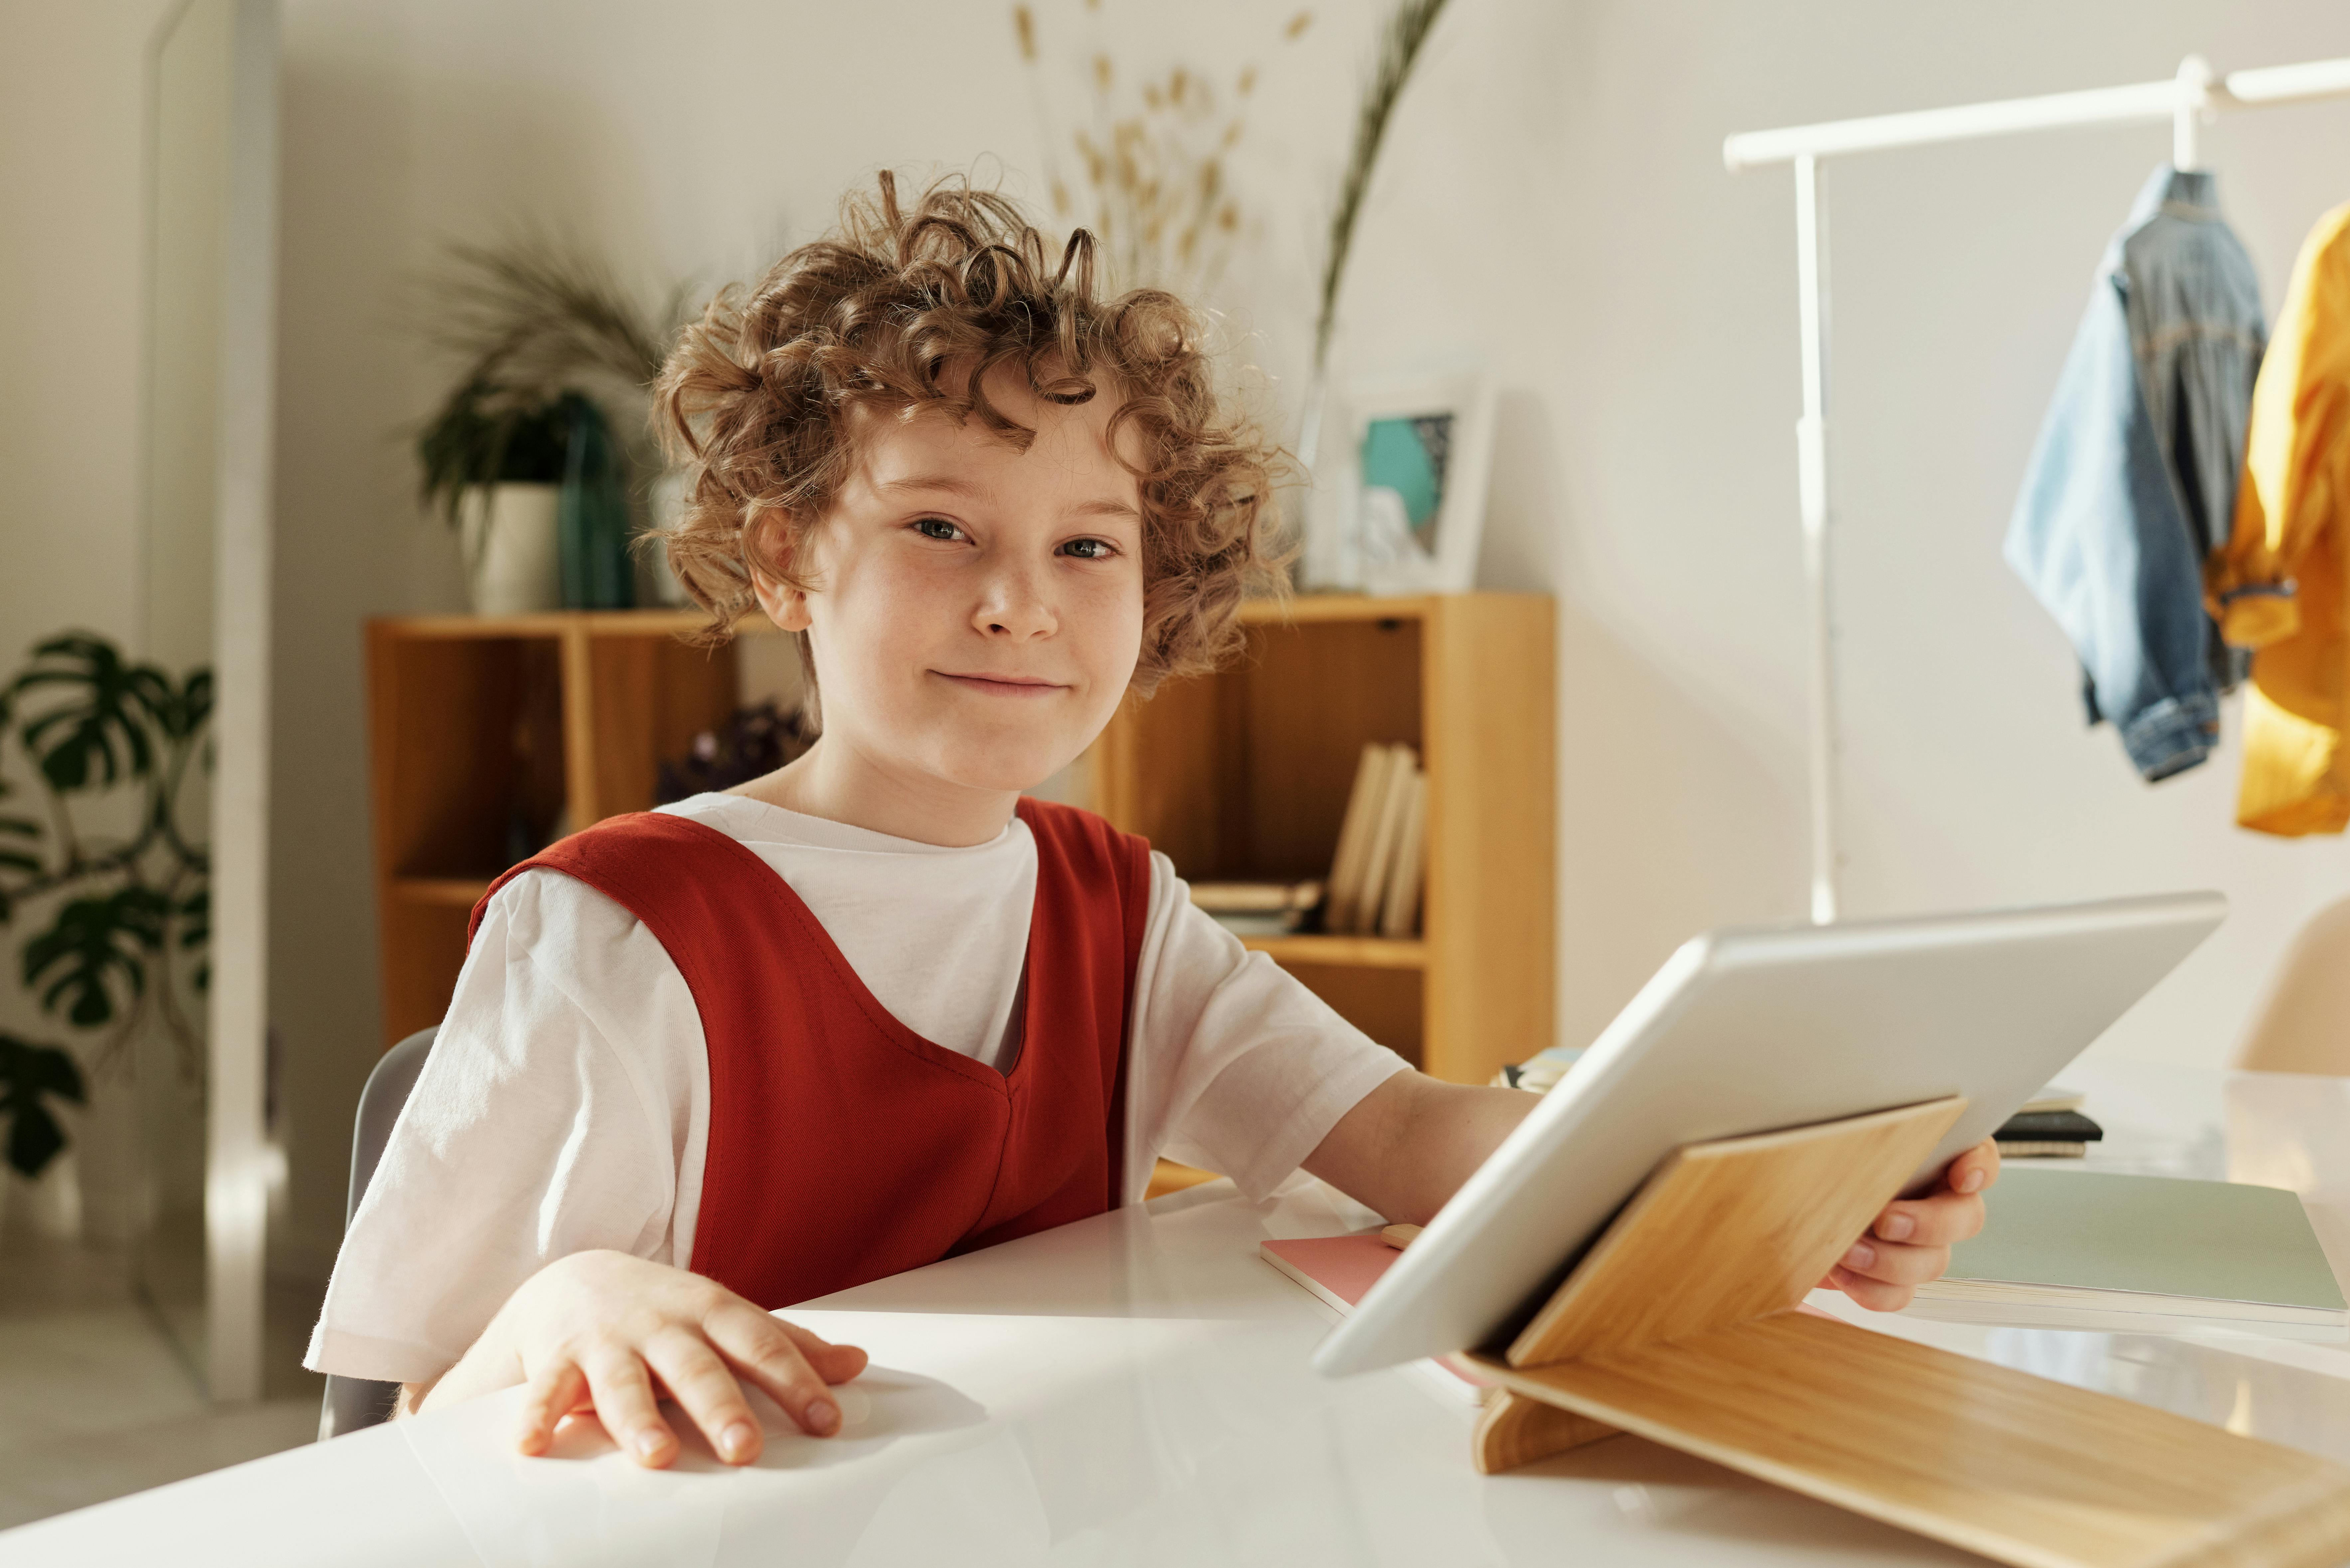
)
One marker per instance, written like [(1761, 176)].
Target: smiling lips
[(1002, 685)]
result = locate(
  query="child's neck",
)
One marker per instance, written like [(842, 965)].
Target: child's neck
[(835, 781)]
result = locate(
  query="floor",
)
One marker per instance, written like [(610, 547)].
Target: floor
[(96, 1401)]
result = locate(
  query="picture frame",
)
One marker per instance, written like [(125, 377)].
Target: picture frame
[(1415, 456)]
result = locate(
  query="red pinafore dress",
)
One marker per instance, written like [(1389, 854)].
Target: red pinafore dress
[(843, 1146)]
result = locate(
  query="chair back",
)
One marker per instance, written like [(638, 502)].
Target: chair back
[(352, 1403), (2303, 1024)]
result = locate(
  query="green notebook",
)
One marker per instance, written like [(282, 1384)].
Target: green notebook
[(2063, 1248)]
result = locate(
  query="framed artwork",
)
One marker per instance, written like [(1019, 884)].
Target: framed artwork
[(1417, 452)]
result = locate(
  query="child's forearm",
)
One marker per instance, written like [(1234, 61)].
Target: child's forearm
[(1406, 1149)]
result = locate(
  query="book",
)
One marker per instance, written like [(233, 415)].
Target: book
[(2055, 1097), (1255, 898), (1339, 1271), (2044, 1135), (1540, 1072), (1395, 805), (1399, 915), (1363, 803), (2070, 1125), (1257, 909), (2098, 1251)]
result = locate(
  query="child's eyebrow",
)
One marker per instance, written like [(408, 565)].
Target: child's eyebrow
[(951, 485)]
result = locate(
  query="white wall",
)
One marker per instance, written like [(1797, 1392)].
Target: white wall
[(1554, 197)]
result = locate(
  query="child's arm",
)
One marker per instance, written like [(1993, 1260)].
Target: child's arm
[(1407, 1145), (614, 1333)]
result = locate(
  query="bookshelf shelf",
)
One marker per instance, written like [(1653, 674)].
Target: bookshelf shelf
[(1243, 776), (1370, 953), (463, 891)]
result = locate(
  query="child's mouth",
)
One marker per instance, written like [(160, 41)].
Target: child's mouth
[(1002, 685)]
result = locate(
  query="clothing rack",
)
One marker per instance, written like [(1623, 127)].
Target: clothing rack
[(2195, 95)]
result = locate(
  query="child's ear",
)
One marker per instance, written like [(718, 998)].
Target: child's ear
[(771, 546)]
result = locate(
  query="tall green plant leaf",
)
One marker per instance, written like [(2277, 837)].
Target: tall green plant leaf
[(95, 944), (97, 732), (30, 1074)]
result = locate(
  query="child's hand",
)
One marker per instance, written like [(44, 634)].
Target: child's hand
[(1910, 1242), (608, 1333)]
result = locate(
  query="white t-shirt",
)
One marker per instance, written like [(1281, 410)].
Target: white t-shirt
[(565, 1103)]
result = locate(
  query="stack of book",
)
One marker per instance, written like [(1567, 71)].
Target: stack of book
[(1375, 876), (1258, 909), (2051, 1127)]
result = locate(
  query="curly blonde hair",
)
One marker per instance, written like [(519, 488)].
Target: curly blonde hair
[(902, 309)]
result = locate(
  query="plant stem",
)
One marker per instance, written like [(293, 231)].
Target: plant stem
[(1399, 48)]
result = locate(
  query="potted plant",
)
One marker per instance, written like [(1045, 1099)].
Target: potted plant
[(525, 456)]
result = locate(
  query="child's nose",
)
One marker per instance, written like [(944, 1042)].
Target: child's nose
[(1015, 606)]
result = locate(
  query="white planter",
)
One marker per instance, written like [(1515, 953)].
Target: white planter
[(513, 565), (668, 509)]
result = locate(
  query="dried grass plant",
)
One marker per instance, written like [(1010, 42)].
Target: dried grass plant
[(1149, 172)]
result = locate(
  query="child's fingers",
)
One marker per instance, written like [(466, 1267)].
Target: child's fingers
[(833, 1362), (1936, 1222), (1875, 1294), (625, 1404), (555, 1389), (1975, 1171), (701, 1383), (759, 1347), (1889, 1262)]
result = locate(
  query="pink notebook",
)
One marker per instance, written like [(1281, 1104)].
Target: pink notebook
[(1341, 1271)]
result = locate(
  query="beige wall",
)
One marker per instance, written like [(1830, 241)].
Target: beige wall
[(1555, 198), (72, 101)]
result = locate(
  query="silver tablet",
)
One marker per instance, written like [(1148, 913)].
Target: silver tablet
[(1744, 1032)]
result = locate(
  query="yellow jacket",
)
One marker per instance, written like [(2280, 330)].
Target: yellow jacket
[(2276, 586)]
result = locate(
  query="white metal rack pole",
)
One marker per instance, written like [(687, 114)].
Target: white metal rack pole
[(2186, 100)]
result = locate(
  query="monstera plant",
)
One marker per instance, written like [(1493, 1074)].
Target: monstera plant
[(111, 745)]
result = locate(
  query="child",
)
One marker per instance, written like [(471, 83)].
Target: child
[(877, 1008)]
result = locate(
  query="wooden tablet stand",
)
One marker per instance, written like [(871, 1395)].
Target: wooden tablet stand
[(1677, 1326)]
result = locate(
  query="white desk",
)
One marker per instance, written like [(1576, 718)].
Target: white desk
[(1133, 1389)]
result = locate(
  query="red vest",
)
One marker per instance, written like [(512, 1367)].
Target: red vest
[(843, 1146)]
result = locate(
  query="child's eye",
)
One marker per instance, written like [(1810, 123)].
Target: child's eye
[(1089, 549), (936, 529)]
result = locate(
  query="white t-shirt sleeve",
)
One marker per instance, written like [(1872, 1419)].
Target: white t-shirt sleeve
[(543, 1124), (1242, 1069)]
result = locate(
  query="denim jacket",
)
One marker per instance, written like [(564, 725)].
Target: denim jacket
[(2132, 480)]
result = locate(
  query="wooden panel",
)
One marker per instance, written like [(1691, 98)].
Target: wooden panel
[(453, 724), (463, 891), (1307, 609), (461, 753), (2016, 1467), (423, 947), (1314, 696), (1383, 1004), (1490, 682), (1164, 765), (649, 698), (1371, 953), (553, 624), (1731, 1230), (1516, 1430), (1172, 1176)]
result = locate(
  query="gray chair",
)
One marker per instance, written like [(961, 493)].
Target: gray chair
[(355, 1402)]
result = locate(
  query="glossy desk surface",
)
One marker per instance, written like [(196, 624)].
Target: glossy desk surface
[(1133, 1389)]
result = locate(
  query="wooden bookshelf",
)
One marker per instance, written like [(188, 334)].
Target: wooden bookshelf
[(492, 733), (1244, 774)]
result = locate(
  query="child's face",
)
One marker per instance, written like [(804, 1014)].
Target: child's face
[(976, 611)]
